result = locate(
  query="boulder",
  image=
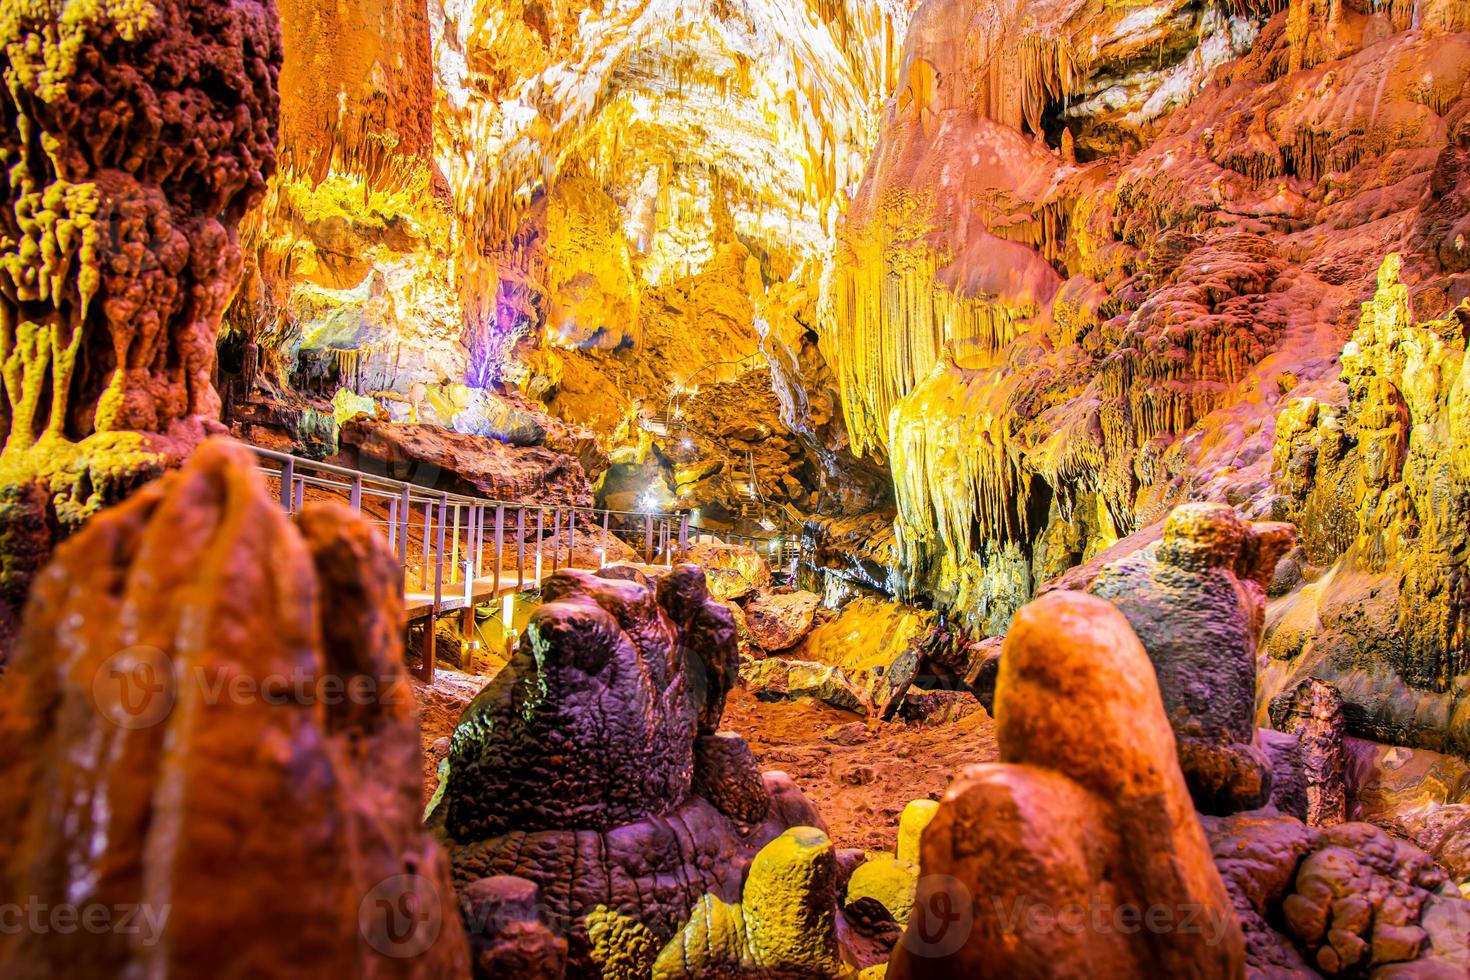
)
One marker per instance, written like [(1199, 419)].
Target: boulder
[(581, 768), (1195, 600), (479, 465), (733, 571), (208, 720), (1045, 863), (780, 620)]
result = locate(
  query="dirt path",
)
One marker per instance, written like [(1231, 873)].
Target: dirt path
[(860, 780)]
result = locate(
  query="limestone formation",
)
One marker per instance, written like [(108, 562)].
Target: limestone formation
[(207, 719), (1346, 901), (581, 767), (785, 924), (1376, 485), (1195, 600), (136, 136), (1313, 713), (1087, 810)]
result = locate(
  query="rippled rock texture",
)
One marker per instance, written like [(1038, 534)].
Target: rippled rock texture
[(1195, 600), (135, 137), (1087, 809), (207, 721), (1098, 248), (1377, 482), (579, 768)]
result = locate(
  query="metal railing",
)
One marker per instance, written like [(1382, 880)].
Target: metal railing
[(456, 549)]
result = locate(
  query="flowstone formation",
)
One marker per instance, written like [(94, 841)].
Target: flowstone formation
[(136, 135), (1087, 810), (592, 767), (207, 720), (1376, 476), (1099, 247)]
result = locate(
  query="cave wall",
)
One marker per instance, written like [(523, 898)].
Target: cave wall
[(135, 136), (1059, 313)]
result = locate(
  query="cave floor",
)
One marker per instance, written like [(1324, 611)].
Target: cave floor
[(859, 779)]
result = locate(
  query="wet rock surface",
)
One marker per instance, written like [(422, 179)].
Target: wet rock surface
[(779, 621), (1088, 780), (174, 743), (576, 768), (136, 136)]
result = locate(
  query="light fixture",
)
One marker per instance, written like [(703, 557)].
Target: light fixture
[(688, 443)]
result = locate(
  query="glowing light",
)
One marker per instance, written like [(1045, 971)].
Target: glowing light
[(507, 608), (688, 443)]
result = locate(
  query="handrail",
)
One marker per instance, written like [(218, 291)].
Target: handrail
[(460, 535)]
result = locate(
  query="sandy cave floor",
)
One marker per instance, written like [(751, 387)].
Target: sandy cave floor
[(859, 779)]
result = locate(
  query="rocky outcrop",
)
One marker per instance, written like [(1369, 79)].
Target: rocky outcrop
[(135, 138), (208, 721), (436, 457), (580, 768), (1313, 713), (1087, 810), (1098, 315), (864, 659), (1377, 484), (1195, 600), (733, 570), (1346, 901)]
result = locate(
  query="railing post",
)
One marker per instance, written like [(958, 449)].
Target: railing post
[(354, 496), (469, 561), (684, 537), (572, 538), (480, 543), (648, 539), (454, 545), (300, 494), (521, 548), (499, 542), (288, 484), (439, 553), (540, 536), (427, 578), (393, 527), (401, 513), (556, 541), (606, 519)]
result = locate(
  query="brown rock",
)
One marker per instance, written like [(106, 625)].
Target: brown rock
[(1086, 811), (202, 753), (1313, 712), (577, 768), (436, 457), (1196, 600), (779, 621), (136, 137)]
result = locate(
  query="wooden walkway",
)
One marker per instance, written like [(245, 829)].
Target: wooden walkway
[(451, 545)]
